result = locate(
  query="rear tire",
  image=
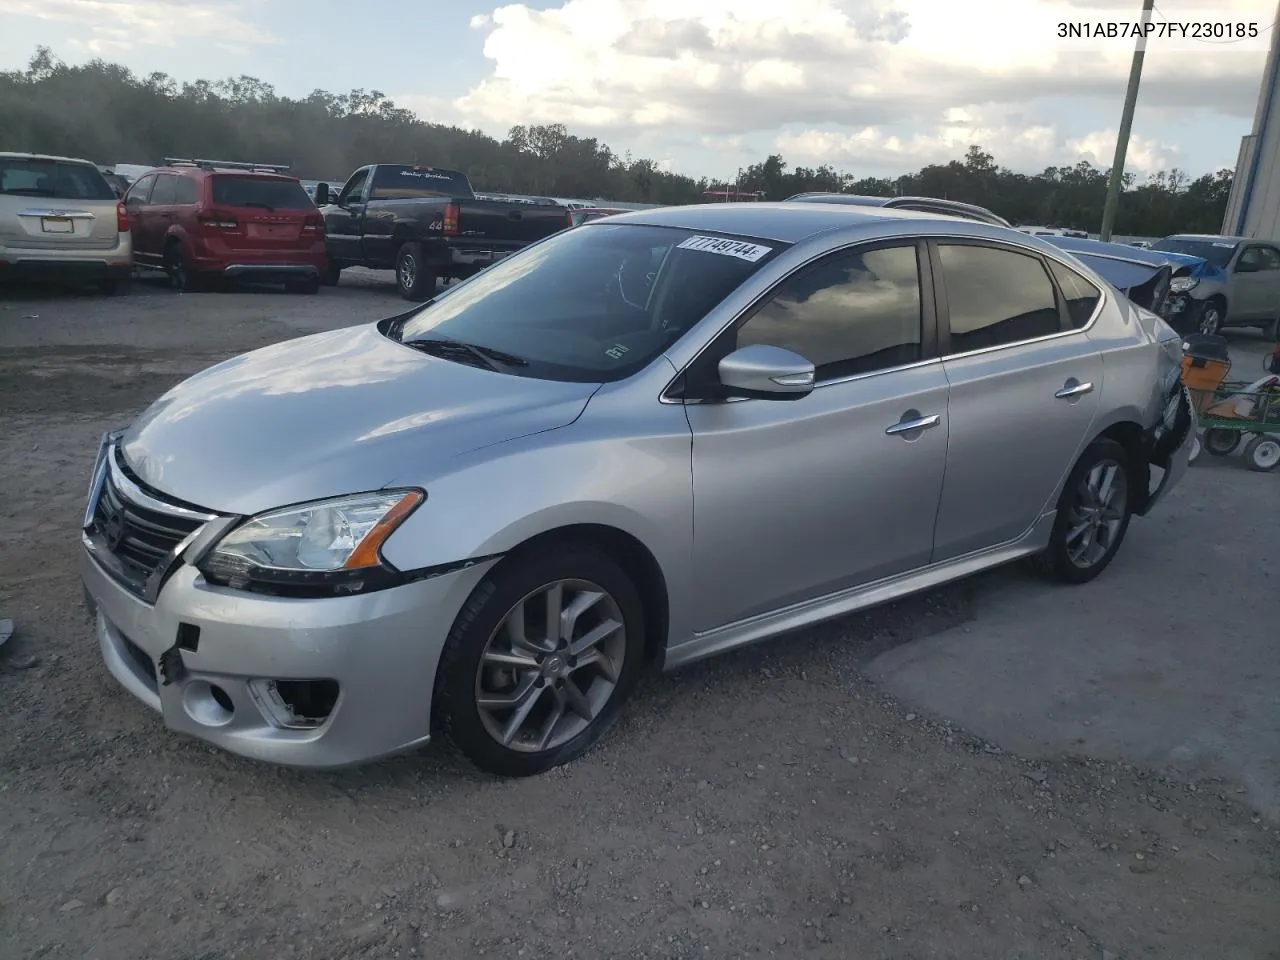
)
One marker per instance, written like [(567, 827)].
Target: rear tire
[(179, 270), (1220, 441), (1263, 453), (562, 700), (415, 280), (1093, 515), (332, 274)]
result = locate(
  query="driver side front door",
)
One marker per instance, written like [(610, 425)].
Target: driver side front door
[(798, 500)]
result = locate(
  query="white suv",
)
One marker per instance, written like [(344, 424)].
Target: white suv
[(60, 220)]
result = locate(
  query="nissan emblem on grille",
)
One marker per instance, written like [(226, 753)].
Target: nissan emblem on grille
[(113, 530)]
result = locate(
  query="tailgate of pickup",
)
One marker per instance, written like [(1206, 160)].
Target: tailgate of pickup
[(499, 220)]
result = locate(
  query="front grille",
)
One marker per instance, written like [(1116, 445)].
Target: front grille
[(140, 537)]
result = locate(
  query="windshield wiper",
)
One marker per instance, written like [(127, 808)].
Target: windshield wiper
[(486, 357), (258, 203)]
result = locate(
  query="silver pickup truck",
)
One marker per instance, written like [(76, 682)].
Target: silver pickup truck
[(1238, 285)]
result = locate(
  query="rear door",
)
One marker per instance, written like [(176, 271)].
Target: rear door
[(54, 205), (270, 213), (1025, 381)]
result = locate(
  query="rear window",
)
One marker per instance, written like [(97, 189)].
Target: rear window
[(53, 178), (392, 182), (261, 192)]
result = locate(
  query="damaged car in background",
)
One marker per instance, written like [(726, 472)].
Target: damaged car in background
[(637, 443)]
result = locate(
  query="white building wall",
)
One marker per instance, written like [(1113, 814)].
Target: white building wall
[(1253, 209)]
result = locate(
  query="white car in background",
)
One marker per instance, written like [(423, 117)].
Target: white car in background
[(61, 220)]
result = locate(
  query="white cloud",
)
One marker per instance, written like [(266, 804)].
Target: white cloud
[(1016, 142), (115, 26), (879, 77)]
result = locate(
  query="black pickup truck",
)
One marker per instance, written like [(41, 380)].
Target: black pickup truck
[(426, 223)]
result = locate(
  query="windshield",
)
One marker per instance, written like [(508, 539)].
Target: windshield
[(594, 304), (269, 194), (1217, 252), (52, 178)]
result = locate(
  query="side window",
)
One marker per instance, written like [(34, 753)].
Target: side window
[(1268, 258), (184, 190), (1081, 295), (996, 297), (851, 313), (162, 193), (139, 194), (355, 186)]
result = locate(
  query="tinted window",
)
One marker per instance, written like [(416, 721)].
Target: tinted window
[(593, 304), (851, 313), (184, 190), (267, 193), (163, 192), (1259, 258), (355, 186), (1217, 252), (996, 297), (140, 192), (1082, 296), (24, 177), (392, 182)]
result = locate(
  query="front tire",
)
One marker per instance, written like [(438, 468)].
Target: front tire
[(1093, 515), (1263, 453), (540, 660), (332, 274), (1212, 316), (415, 280)]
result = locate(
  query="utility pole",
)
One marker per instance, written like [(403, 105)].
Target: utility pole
[(1126, 124)]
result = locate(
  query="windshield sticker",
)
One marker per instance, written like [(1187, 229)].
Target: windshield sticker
[(1229, 246), (617, 351), (751, 252)]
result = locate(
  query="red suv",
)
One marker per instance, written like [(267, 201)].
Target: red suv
[(197, 219)]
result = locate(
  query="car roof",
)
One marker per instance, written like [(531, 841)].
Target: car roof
[(45, 156), (1207, 237), (182, 168), (789, 222)]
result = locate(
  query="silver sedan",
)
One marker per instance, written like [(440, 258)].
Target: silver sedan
[(645, 441)]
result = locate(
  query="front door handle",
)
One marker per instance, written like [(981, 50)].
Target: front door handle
[(1072, 389), (916, 423)]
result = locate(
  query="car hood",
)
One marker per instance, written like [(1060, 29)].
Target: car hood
[(335, 413)]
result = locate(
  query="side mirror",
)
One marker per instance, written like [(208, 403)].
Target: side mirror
[(762, 372), (1246, 266), (322, 194)]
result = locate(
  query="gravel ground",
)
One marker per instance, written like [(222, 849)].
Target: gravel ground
[(769, 803)]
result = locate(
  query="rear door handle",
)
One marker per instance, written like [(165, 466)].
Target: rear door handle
[(910, 426), (1072, 389)]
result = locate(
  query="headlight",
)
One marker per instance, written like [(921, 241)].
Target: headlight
[(1183, 284), (329, 546)]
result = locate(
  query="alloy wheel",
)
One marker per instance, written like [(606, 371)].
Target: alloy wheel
[(551, 666), (1097, 514), (1210, 320), (408, 271)]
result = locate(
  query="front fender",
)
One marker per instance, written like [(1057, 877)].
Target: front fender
[(492, 500)]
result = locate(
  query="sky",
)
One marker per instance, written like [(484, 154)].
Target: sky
[(705, 87)]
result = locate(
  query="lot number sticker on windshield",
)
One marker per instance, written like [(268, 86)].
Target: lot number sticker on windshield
[(751, 252)]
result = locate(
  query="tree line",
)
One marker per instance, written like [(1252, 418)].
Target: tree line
[(107, 113)]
